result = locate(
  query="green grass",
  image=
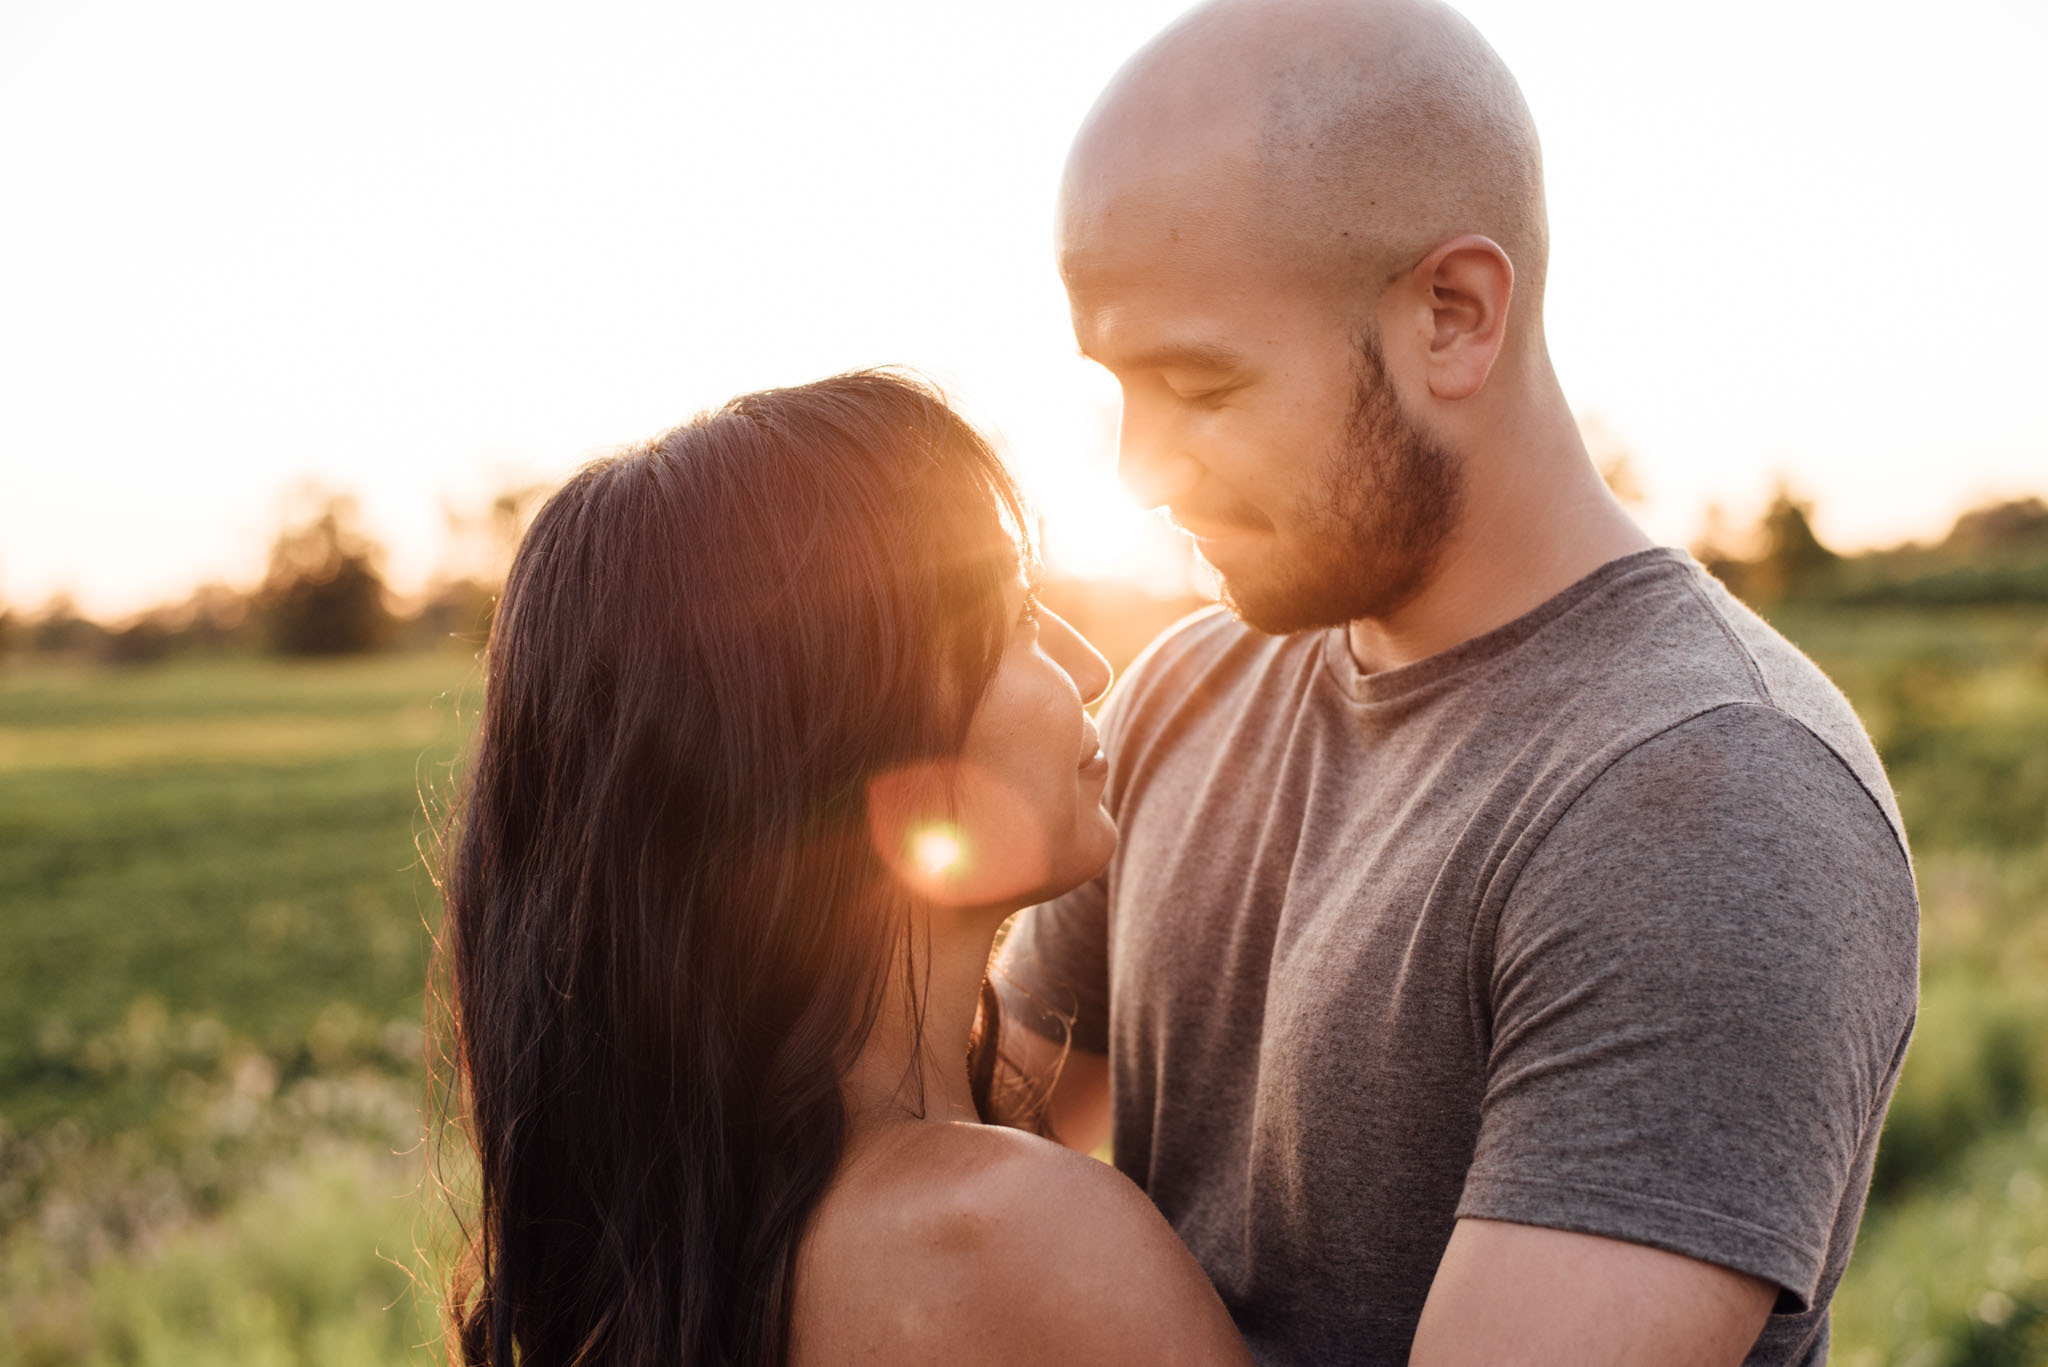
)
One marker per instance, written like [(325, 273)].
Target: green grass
[(233, 841), (1977, 1062), (213, 935), (1951, 1267), (1957, 701), (317, 1265), (211, 982), (1958, 1274)]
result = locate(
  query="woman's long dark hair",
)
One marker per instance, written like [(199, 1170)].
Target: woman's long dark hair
[(667, 929)]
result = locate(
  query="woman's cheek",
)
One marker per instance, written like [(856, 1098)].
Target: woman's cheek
[(960, 833)]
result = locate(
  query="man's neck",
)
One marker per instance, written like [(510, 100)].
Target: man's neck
[(1543, 521)]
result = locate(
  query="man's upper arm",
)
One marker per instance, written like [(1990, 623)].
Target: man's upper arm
[(1513, 1294), (1701, 985), (1053, 972), (1053, 981)]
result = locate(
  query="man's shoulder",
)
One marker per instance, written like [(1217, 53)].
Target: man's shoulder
[(1803, 692), (1192, 645), (1735, 660), (1748, 779), (1660, 643), (1204, 657)]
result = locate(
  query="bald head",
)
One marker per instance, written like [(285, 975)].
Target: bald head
[(1339, 140)]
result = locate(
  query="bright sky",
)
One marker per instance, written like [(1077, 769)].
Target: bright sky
[(419, 251)]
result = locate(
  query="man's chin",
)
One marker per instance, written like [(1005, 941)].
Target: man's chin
[(1249, 589), (1276, 609), (1281, 604)]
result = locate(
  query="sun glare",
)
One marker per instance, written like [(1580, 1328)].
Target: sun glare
[(936, 850), (1094, 529)]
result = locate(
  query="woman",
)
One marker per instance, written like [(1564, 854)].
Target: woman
[(774, 738)]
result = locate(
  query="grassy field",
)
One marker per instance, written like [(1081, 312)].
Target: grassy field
[(214, 920), (213, 949), (1952, 1264)]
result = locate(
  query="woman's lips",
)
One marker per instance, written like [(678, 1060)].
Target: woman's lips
[(1095, 764)]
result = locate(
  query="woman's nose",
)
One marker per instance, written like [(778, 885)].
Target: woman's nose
[(1071, 651)]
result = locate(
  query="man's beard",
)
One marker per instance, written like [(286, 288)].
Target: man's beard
[(1372, 534)]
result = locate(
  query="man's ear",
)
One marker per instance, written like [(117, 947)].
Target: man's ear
[(1466, 285)]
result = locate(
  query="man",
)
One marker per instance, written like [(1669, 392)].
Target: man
[(1512, 944)]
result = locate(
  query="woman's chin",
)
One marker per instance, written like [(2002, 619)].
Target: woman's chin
[(1088, 855)]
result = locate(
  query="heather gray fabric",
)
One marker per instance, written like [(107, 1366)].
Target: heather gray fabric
[(1602, 921)]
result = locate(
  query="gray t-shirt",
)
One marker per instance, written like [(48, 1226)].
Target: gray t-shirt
[(1602, 921)]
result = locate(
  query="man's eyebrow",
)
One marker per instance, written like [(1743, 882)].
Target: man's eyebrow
[(1175, 356)]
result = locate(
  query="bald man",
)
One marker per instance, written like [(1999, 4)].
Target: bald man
[(1512, 942)]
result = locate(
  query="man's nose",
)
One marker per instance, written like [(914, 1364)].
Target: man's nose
[(1148, 460)]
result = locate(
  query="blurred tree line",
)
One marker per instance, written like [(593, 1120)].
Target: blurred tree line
[(324, 593), (1995, 554)]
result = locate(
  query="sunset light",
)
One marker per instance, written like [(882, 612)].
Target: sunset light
[(1094, 529), (936, 850), (591, 703), (421, 271)]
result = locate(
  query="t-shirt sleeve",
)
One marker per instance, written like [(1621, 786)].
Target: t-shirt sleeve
[(1702, 983)]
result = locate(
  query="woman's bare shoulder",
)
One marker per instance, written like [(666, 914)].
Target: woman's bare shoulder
[(975, 1244)]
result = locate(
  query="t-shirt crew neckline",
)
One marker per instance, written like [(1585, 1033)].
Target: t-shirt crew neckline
[(1387, 685)]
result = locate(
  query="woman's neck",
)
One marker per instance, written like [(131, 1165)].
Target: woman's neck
[(914, 1064)]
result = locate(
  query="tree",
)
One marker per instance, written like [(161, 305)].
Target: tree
[(1787, 559), (323, 594), (60, 629), (145, 640), (463, 596), (213, 618), (482, 541), (2016, 526), (1793, 562)]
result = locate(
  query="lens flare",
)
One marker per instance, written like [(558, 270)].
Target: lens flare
[(936, 850), (955, 834)]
